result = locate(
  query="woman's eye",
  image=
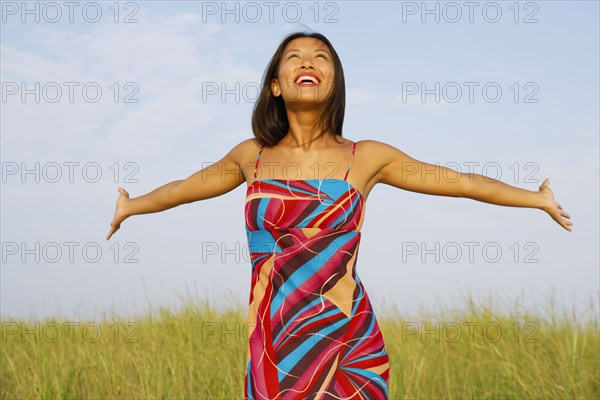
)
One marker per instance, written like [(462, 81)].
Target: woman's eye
[(318, 55)]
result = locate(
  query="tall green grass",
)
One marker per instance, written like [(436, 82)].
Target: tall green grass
[(198, 352)]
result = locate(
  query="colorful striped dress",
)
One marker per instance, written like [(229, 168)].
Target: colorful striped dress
[(312, 331)]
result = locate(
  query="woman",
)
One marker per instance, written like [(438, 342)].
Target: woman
[(313, 331)]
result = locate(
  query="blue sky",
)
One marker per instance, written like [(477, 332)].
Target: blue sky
[(164, 126)]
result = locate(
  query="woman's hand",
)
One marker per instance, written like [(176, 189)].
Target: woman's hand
[(553, 208), (120, 214)]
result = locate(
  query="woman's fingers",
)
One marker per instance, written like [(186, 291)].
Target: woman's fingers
[(116, 225), (112, 231), (556, 211), (564, 222)]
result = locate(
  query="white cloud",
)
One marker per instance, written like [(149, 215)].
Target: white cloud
[(158, 56)]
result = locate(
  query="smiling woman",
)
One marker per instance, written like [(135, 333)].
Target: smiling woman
[(283, 87), (313, 331)]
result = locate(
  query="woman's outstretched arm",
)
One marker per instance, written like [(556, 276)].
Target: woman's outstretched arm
[(397, 169), (214, 180)]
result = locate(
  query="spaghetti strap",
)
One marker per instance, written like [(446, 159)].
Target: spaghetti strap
[(256, 164), (348, 171)]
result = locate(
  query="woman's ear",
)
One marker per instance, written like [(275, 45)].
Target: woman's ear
[(275, 89)]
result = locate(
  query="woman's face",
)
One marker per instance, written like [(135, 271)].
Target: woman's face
[(306, 72)]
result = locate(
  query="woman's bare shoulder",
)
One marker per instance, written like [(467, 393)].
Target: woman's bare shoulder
[(244, 154), (375, 154), (370, 144), (244, 149), (371, 147), (374, 147)]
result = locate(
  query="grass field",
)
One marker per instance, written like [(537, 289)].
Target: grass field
[(196, 352)]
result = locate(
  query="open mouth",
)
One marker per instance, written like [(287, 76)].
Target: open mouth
[(307, 80)]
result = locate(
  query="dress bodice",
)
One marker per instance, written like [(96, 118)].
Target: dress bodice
[(312, 203)]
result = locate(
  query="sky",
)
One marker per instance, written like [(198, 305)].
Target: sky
[(138, 94)]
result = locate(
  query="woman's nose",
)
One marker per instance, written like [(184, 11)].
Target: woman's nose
[(306, 63)]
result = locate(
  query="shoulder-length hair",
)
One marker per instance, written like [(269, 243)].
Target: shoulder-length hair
[(269, 118)]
